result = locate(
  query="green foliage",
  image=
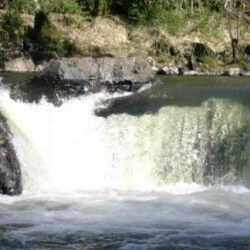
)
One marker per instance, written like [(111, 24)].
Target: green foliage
[(11, 30), (215, 5), (69, 20), (162, 11), (87, 6), (200, 50), (160, 47), (60, 6), (69, 49), (45, 33), (211, 62), (21, 6)]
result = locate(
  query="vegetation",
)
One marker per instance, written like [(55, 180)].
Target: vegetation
[(11, 30), (171, 16)]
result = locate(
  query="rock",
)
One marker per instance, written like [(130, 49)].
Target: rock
[(10, 171), (170, 69), (73, 77), (39, 68), (246, 73), (152, 64), (193, 73), (19, 65), (233, 72)]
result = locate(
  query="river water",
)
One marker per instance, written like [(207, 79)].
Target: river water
[(166, 168)]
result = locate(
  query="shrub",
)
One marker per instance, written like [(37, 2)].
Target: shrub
[(11, 30), (45, 33), (21, 6), (60, 6)]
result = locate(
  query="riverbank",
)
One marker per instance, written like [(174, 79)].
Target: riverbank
[(198, 47)]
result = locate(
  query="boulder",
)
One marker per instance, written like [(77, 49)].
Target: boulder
[(246, 73), (233, 72), (75, 76), (170, 69), (152, 64), (19, 65), (10, 171)]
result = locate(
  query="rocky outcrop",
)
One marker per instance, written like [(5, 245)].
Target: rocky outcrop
[(68, 77), (10, 171)]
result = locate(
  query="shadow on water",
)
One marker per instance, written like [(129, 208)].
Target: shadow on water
[(180, 91)]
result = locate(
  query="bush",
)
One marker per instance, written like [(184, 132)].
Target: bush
[(21, 6), (45, 33), (11, 30), (60, 6)]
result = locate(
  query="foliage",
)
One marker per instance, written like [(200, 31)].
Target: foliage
[(11, 30), (60, 6), (45, 33)]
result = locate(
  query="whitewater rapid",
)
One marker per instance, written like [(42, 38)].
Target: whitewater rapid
[(125, 181), (69, 148)]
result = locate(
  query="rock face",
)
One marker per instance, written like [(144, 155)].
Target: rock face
[(73, 76), (10, 171)]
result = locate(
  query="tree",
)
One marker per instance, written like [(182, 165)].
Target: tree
[(235, 14), (100, 7)]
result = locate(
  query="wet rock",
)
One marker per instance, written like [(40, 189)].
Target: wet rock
[(73, 77), (10, 171)]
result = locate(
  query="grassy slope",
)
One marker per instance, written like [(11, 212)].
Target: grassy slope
[(112, 36), (111, 33)]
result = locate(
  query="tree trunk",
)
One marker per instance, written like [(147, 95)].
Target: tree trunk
[(235, 43), (100, 7), (192, 6)]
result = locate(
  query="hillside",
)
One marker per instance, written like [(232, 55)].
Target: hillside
[(188, 36)]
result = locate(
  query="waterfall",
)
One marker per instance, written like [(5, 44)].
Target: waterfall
[(69, 148)]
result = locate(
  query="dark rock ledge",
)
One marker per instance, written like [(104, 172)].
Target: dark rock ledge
[(69, 77), (10, 171)]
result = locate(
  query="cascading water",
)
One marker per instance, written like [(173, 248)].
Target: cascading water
[(130, 180)]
